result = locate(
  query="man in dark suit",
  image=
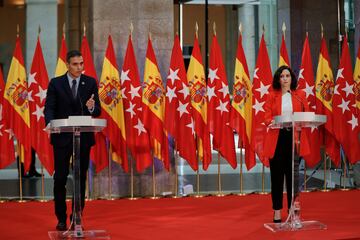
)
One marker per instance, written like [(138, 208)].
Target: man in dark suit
[(70, 94)]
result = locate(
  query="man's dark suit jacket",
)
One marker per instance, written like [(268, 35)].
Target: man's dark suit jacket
[(60, 104)]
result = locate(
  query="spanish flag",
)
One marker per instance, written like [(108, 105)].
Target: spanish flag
[(16, 105), (284, 57), (112, 106), (324, 91), (356, 86), (61, 68), (153, 99), (241, 105), (198, 93)]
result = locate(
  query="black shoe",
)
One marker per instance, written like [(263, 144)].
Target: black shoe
[(61, 226), (277, 220), (35, 174)]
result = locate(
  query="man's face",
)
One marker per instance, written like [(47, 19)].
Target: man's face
[(75, 66)]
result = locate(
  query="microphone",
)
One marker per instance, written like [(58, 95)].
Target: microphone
[(298, 99)]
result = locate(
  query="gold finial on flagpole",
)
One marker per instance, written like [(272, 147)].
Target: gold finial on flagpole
[(131, 28), (307, 29), (39, 30), (263, 28), (63, 29), (17, 30), (150, 32), (322, 30), (196, 29), (214, 28), (346, 30), (283, 28), (84, 29), (240, 28)]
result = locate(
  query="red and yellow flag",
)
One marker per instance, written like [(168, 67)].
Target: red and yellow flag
[(98, 152), (16, 105), (198, 93), (356, 87), (261, 86), (61, 68), (219, 106), (153, 99), (324, 90), (284, 57), (241, 111), (178, 110), (112, 106), (306, 83), (38, 82), (7, 153), (137, 138), (345, 116)]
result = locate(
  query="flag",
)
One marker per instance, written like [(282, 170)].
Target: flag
[(356, 87), (241, 110), (178, 110), (284, 57), (306, 83), (16, 105), (198, 93), (219, 106), (61, 68), (153, 99), (262, 82), (7, 153), (98, 152), (346, 128), (37, 84), (137, 138), (324, 89), (112, 107)]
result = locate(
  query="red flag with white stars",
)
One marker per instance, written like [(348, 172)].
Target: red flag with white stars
[(178, 110), (346, 128), (262, 82), (219, 106), (306, 83), (7, 153), (136, 135), (38, 82)]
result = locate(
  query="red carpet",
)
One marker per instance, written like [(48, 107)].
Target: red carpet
[(230, 217)]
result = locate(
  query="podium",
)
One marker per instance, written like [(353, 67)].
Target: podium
[(76, 125), (296, 121)]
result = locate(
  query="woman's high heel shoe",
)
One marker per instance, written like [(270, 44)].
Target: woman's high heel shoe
[(277, 216)]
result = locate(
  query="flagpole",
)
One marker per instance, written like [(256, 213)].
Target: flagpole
[(110, 172), (219, 194), (21, 156), (42, 185), (344, 188), (176, 195), (153, 181), (132, 180), (197, 195), (263, 181), (241, 193)]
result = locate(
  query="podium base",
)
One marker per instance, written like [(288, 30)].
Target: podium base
[(296, 226), (92, 234)]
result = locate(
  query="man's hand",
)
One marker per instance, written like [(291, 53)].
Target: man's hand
[(90, 104)]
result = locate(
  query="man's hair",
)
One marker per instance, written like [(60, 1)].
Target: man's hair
[(276, 80), (71, 54)]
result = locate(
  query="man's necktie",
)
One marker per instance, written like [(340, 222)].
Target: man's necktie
[(73, 88)]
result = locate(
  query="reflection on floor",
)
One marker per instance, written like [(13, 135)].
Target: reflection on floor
[(255, 180)]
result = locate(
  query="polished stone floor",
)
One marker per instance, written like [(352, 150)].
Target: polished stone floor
[(253, 181)]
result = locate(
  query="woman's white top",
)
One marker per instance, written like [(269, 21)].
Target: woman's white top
[(286, 103)]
